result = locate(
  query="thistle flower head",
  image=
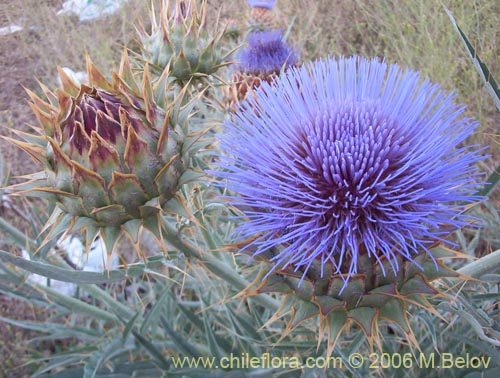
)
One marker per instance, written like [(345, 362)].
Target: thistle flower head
[(180, 40), (268, 4), (266, 54), (113, 153), (345, 159)]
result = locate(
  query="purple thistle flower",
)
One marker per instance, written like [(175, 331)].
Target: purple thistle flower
[(268, 4), (347, 157), (266, 53)]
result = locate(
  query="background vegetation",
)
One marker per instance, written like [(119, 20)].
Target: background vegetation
[(415, 33)]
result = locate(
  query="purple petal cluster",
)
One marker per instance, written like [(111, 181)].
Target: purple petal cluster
[(266, 53), (345, 157), (268, 4)]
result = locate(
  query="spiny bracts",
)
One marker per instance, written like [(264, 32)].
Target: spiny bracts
[(114, 153), (181, 42), (371, 300)]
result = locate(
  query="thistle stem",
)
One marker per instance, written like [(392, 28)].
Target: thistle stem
[(486, 264), (219, 268)]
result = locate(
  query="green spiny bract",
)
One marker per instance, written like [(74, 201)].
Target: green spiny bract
[(114, 153), (181, 42), (366, 300)]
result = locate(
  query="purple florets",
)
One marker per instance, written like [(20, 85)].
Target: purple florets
[(266, 53), (261, 3), (347, 157)]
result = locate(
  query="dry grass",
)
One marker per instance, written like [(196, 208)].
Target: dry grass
[(14, 341), (417, 34), (413, 33)]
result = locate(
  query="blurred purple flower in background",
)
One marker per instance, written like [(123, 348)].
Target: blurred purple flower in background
[(347, 157), (261, 3), (266, 53)]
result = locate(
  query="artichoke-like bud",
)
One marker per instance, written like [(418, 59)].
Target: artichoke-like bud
[(179, 39), (114, 153)]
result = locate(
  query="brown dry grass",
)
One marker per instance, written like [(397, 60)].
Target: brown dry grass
[(14, 341)]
